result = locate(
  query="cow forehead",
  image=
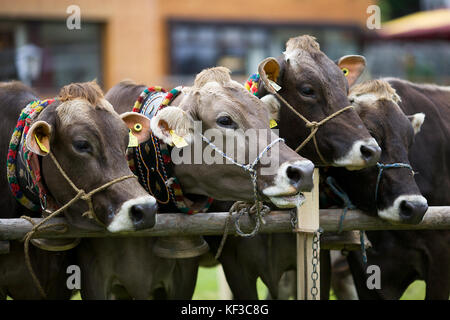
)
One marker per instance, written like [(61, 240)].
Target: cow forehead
[(79, 110), (232, 97), (385, 118), (374, 90), (314, 67)]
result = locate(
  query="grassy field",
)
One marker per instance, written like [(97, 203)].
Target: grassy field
[(208, 288)]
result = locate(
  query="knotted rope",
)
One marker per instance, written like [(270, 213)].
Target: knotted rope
[(312, 125), (241, 207), (81, 195)]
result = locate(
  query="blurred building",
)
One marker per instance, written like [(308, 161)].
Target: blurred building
[(414, 47), (163, 41)]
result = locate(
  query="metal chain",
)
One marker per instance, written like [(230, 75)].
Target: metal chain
[(315, 262)]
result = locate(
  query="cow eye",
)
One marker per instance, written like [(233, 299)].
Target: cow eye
[(307, 91), (226, 122), (82, 146)]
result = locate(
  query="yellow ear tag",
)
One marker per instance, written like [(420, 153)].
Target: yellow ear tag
[(273, 123), (345, 71), (41, 146), (178, 141), (133, 140), (275, 85), (137, 127)]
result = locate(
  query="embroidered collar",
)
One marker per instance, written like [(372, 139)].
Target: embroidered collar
[(23, 166), (151, 160), (252, 84)]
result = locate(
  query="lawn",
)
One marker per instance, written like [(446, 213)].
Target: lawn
[(208, 287)]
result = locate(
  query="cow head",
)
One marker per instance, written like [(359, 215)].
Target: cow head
[(238, 123), (316, 87), (89, 140), (399, 198)]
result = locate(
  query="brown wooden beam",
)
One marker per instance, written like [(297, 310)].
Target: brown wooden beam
[(213, 224)]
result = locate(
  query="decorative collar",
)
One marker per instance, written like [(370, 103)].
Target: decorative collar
[(151, 160), (252, 84), (23, 166)]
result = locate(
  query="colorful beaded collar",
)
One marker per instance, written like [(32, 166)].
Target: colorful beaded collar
[(151, 160), (27, 171), (252, 84)]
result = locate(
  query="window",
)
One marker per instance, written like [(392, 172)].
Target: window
[(240, 47), (47, 55)]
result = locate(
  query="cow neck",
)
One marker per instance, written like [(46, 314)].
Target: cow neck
[(152, 163), (24, 167)]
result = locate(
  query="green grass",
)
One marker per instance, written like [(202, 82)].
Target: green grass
[(208, 289), (415, 291)]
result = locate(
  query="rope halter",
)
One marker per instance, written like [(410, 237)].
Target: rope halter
[(81, 194), (250, 168), (381, 168), (348, 205), (312, 125)]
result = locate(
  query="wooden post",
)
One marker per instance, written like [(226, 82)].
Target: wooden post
[(307, 224)]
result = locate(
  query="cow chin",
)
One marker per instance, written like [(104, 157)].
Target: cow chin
[(288, 201), (292, 178), (408, 209)]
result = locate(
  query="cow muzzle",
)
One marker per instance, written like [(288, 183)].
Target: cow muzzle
[(363, 153), (135, 214), (408, 209), (291, 180)]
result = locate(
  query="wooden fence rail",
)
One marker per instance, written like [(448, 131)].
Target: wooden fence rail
[(213, 224)]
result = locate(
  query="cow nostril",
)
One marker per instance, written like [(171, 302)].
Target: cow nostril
[(294, 174), (300, 176), (412, 211), (406, 208), (370, 154), (137, 213)]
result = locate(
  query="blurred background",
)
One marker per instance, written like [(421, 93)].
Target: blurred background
[(166, 42)]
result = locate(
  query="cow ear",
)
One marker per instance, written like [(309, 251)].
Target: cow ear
[(173, 126), (272, 105), (138, 124), (417, 121), (270, 73), (38, 138), (352, 66), (271, 68)]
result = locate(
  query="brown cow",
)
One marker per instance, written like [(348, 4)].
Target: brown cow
[(317, 88), (405, 256), (89, 140), (398, 198)]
